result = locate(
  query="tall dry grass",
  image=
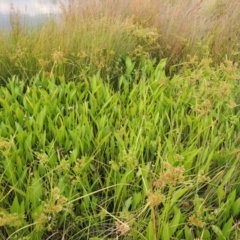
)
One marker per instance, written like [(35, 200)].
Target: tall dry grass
[(97, 34), (203, 27)]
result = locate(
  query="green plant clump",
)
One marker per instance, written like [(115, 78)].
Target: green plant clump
[(156, 159)]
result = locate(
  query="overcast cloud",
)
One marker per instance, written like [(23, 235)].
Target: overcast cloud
[(33, 11), (30, 7)]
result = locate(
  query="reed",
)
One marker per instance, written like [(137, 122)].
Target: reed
[(97, 35)]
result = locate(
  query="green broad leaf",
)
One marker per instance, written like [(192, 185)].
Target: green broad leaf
[(228, 205), (21, 136), (128, 203), (67, 145), (20, 115), (190, 156), (160, 69), (120, 142), (35, 191), (168, 100), (150, 231), (228, 175), (28, 141), (28, 105), (177, 194), (62, 80), (218, 231), (206, 235), (15, 208), (231, 197), (19, 128), (121, 81), (60, 134), (137, 199), (72, 94), (129, 65), (227, 228), (10, 172), (6, 129), (143, 173), (93, 83), (19, 166), (208, 157), (42, 138), (37, 212), (5, 105), (188, 233), (41, 118), (74, 155), (156, 118), (121, 185), (106, 105), (37, 107), (236, 207), (162, 64), (220, 194), (133, 110), (175, 221), (165, 232)]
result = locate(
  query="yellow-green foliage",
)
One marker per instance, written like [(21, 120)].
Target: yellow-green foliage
[(157, 159)]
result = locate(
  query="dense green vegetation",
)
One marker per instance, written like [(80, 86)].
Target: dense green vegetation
[(118, 127)]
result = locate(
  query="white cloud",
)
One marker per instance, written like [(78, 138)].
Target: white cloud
[(30, 7), (4, 7)]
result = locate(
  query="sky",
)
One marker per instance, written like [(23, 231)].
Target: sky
[(30, 9)]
